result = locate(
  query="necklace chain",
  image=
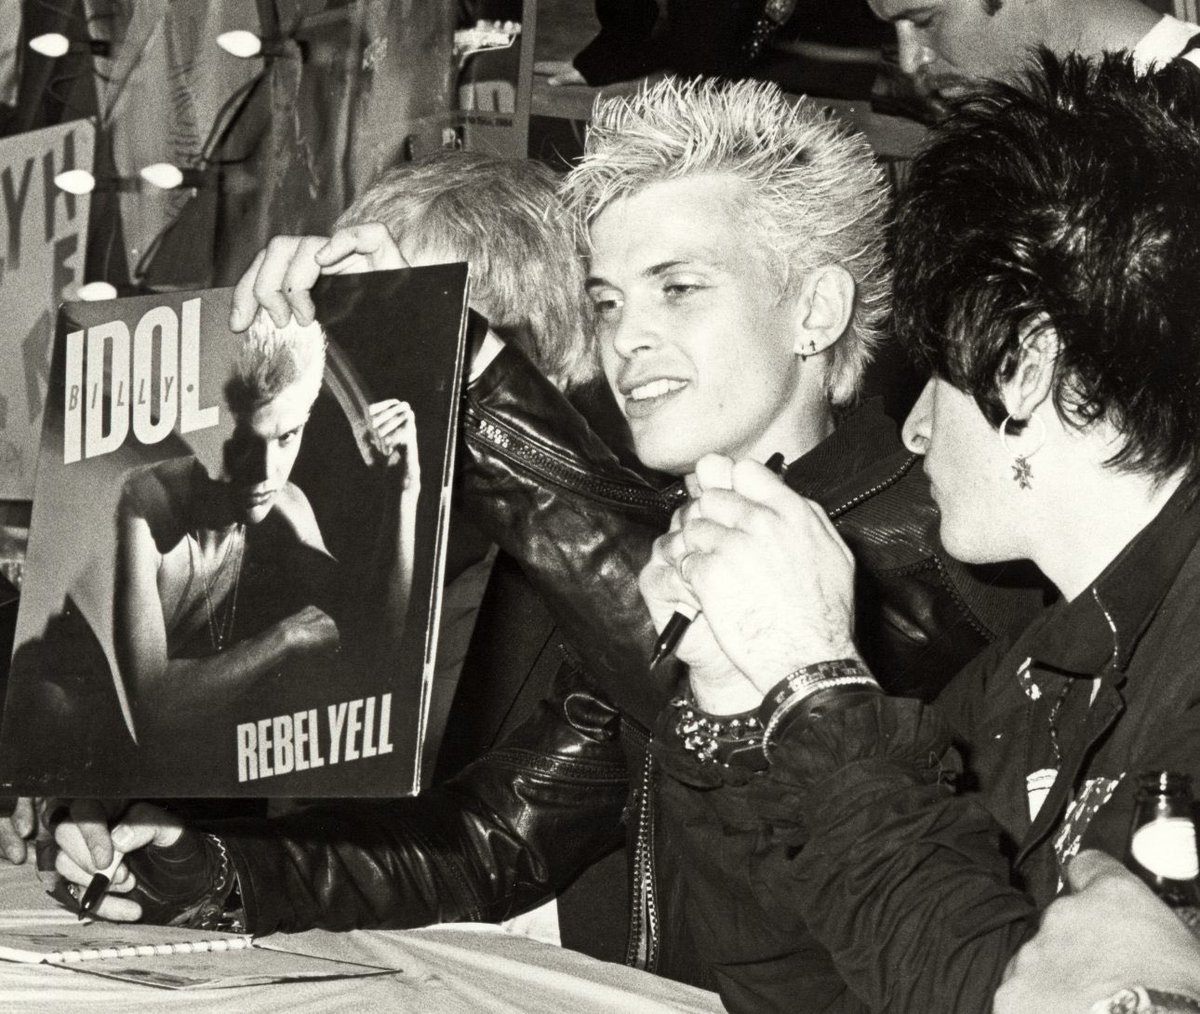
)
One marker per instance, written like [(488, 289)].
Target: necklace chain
[(218, 633)]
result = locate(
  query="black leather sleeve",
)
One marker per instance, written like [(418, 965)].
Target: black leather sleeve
[(503, 836), (539, 482), (850, 853)]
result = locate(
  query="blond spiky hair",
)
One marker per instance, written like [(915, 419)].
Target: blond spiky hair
[(270, 358), (814, 191)]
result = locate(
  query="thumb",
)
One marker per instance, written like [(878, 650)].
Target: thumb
[(146, 825), (1091, 865)]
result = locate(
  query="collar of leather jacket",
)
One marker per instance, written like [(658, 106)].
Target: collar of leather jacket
[(863, 451)]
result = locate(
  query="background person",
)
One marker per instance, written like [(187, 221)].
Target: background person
[(949, 46)]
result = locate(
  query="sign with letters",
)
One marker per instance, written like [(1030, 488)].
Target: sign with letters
[(41, 264)]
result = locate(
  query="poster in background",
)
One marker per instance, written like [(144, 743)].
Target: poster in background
[(41, 264), (235, 568), (495, 79)]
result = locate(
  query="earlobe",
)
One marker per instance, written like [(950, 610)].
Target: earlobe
[(1033, 380), (823, 309)]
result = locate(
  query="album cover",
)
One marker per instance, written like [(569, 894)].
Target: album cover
[(236, 545)]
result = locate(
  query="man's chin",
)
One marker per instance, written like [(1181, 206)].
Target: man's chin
[(665, 459), (254, 515)]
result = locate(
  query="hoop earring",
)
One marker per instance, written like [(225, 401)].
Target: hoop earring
[(1022, 472)]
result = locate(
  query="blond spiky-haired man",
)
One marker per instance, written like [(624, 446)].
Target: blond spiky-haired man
[(736, 270)]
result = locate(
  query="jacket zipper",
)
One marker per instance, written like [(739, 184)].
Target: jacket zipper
[(643, 930), (573, 477)]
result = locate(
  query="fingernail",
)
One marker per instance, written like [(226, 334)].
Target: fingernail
[(120, 836)]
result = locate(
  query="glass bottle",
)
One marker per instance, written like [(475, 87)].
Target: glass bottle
[(1162, 842)]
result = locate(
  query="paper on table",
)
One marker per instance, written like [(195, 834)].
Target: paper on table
[(60, 937), (164, 956), (249, 966)]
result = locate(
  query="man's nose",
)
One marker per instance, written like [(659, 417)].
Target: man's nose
[(274, 461), (915, 53), (634, 332), (915, 433)]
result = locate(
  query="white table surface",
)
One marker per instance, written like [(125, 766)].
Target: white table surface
[(467, 968)]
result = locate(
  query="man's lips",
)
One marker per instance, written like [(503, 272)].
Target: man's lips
[(256, 498), (646, 397)]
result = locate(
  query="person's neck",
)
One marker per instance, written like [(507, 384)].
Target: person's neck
[(799, 437), (1101, 25), (1088, 529), (210, 508)]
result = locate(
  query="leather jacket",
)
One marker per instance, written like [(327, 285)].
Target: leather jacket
[(576, 778)]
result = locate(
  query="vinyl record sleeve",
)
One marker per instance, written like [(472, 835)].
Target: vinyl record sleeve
[(233, 589)]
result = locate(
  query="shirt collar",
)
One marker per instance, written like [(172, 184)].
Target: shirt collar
[(1163, 42), (1103, 623)]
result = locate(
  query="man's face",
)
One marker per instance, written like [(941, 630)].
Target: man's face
[(262, 450), (694, 339), (946, 45), (970, 474)]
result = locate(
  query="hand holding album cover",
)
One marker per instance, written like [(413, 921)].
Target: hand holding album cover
[(234, 568)]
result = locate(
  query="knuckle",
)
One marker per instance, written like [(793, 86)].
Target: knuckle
[(277, 243), (742, 471)]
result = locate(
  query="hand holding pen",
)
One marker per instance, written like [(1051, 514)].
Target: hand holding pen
[(685, 613), (136, 863), (98, 886), (90, 857)]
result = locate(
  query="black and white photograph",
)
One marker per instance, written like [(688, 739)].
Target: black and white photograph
[(675, 506)]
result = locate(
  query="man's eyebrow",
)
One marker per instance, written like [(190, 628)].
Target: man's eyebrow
[(662, 268), (656, 270)]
